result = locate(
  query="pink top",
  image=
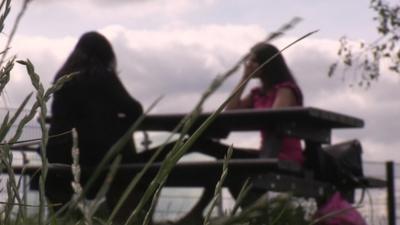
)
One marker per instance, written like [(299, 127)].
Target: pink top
[(291, 147)]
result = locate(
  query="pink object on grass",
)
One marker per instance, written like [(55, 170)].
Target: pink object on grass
[(338, 211)]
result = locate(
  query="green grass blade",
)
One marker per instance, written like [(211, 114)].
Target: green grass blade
[(242, 194), (7, 163), (42, 97), (5, 74), (18, 132), (149, 214), (107, 183), (4, 126), (139, 176), (218, 188), (121, 142)]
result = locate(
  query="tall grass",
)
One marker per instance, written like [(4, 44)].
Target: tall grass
[(141, 214)]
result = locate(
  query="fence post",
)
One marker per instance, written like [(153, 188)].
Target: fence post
[(391, 194)]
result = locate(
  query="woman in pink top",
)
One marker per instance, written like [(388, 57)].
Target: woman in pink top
[(277, 89)]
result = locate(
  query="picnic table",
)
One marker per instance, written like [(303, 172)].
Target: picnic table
[(314, 126)]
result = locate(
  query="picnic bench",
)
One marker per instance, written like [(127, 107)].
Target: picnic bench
[(312, 125)]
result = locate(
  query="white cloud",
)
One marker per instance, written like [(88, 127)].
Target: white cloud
[(235, 38), (176, 60), (172, 61)]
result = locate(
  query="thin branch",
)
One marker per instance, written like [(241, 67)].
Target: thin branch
[(14, 30)]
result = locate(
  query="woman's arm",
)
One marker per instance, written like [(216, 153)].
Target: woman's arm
[(285, 97), (237, 102)]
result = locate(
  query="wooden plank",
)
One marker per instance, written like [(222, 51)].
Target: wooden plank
[(189, 174), (245, 166), (265, 174), (256, 119), (302, 122), (298, 186)]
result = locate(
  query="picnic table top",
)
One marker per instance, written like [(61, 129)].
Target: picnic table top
[(256, 119)]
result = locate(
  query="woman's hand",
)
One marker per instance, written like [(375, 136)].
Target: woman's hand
[(237, 102), (249, 67)]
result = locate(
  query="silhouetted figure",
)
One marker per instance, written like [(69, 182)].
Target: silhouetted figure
[(96, 103)]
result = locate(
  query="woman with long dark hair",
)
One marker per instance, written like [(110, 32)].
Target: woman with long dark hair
[(95, 103), (278, 88)]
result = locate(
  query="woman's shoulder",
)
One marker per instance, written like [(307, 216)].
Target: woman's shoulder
[(293, 87), (288, 85)]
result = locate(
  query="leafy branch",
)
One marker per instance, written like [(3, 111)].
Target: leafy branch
[(365, 60)]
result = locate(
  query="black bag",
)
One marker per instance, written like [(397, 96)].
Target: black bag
[(343, 163)]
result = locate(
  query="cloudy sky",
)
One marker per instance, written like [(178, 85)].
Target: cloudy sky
[(176, 47)]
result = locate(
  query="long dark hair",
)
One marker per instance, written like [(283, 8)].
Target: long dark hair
[(274, 72), (92, 52)]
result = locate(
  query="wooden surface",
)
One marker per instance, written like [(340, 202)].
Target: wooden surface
[(208, 173), (256, 119), (240, 166)]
